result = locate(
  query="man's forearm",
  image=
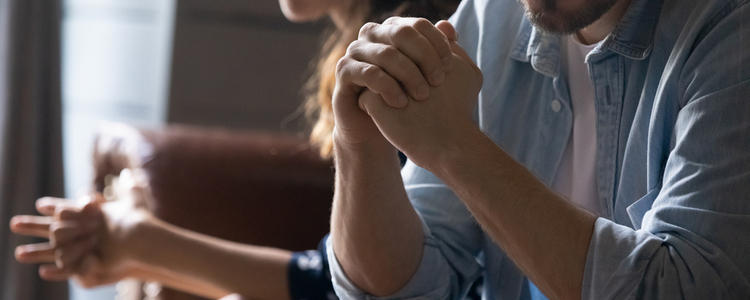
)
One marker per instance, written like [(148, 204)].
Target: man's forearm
[(252, 271), (376, 234), (545, 235)]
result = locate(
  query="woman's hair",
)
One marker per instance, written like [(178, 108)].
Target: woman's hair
[(319, 87)]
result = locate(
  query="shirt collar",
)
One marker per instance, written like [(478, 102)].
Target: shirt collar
[(632, 38)]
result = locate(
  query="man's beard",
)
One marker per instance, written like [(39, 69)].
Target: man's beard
[(552, 19)]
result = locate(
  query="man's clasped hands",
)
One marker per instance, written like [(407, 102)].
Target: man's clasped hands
[(404, 83)]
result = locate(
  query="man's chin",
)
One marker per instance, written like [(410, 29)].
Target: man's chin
[(556, 24)]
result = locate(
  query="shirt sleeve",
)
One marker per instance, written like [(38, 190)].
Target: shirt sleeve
[(693, 241), (452, 240)]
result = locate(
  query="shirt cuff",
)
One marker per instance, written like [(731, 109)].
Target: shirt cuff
[(425, 284), (617, 255)]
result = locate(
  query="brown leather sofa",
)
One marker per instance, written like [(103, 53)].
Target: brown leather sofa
[(250, 187)]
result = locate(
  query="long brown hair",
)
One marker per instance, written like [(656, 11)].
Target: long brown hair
[(319, 87)]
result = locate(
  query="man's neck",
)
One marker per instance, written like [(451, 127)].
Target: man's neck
[(601, 28)]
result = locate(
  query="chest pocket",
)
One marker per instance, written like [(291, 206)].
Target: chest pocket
[(638, 209)]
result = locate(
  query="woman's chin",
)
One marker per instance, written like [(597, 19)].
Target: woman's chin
[(302, 10)]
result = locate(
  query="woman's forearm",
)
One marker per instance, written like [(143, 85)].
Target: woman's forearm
[(178, 281), (184, 258), (376, 234)]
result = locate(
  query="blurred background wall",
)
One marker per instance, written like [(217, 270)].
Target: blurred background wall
[(239, 64), (221, 63)]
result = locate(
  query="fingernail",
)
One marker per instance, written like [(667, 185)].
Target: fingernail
[(403, 100), (20, 252), (44, 201), (438, 76), (423, 92)]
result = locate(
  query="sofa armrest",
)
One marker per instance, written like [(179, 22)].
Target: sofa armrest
[(250, 187)]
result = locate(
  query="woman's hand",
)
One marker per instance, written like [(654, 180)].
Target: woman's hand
[(104, 254), (74, 239), (90, 243), (84, 246), (38, 226)]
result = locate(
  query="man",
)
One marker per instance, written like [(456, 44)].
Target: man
[(613, 171)]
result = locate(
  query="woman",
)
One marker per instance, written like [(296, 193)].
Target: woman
[(105, 242)]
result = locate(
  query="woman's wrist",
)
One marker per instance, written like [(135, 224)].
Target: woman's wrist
[(138, 238)]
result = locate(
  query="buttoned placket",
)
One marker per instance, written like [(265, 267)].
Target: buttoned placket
[(606, 72), (607, 78)]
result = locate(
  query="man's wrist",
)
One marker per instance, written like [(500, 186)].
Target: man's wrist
[(370, 148), (447, 158)]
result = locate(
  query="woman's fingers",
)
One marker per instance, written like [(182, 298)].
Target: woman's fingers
[(51, 272), (35, 253), (86, 266), (31, 225), (91, 211), (69, 256), (47, 205), (68, 213), (66, 232)]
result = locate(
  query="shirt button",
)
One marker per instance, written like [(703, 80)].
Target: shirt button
[(556, 106)]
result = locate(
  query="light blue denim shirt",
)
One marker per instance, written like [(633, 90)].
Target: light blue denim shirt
[(672, 93)]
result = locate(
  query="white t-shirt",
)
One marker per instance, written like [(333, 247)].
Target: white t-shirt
[(576, 176)]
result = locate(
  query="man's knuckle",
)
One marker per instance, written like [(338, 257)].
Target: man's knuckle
[(367, 29), (391, 20), (422, 24), (341, 66), (404, 32), (353, 47), (388, 52), (371, 72)]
